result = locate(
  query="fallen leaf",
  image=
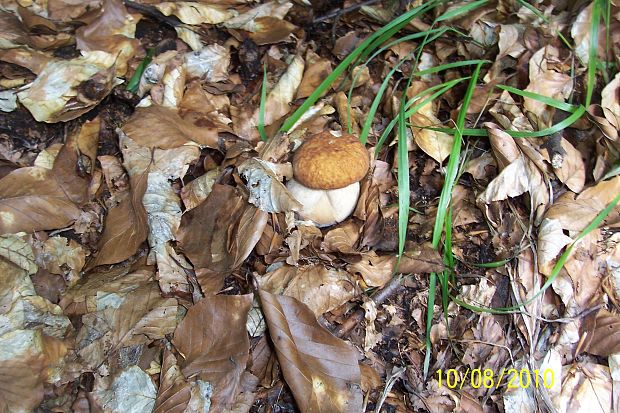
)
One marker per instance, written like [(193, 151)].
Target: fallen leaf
[(321, 370), (112, 32), (342, 238), (32, 200), (196, 13), (245, 20), (586, 385), (547, 81), (551, 240), (320, 288), (610, 102), (14, 249), (210, 63), (131, 390), (214, 343), (435, 144), (317, 70), (601, 335), (267, 192), (572, 171), (279, 98), (54, 96), (171, 131)]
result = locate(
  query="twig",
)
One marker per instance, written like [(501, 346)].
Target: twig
[(378, 297), (339, 12)]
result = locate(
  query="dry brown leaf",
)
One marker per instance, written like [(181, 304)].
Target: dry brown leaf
[(575, 213), (174, 392), (279, 98), (510, 41), (21, 370), (211, 63), (199, 189), (342, 238), (317, 70), (17, 251), (586, 385), (320, 288), (551, 240), (62, 256), (610, 101), (204, 234), (245, 21), (75, 163), (572, 171), (546, 81), (321, 370), (54, 96), (602, 334), (196, 13), (376, 270), (268, 30), (125, 226), (112, 32), (267, 192), (214, 343), (435, 144), (160, 127), (31, 200)]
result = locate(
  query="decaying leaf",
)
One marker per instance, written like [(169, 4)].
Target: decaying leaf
[(196, 13), (436, 144), (320, 288), (131, 390), (602, 333), (610, 101), (551, 240), (267, 191), (31, 199), (321, 370), (14, 249), (211, 62), (214, 343), (55, 95)]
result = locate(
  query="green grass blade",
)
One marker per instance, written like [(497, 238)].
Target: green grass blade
[(430, 310), (453, 161), (134, 82), (558, 104), (443, 88), (403, 180), (556, 268), (261, 108), (363, 49), (450, 14)]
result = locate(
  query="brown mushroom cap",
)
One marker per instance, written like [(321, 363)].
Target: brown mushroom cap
[(325, 161)]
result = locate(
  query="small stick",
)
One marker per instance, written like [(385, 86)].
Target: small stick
[(379, 297)]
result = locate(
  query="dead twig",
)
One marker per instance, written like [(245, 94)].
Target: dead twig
[(378, 297)]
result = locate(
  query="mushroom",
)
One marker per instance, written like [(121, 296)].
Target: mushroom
[(326, 174)]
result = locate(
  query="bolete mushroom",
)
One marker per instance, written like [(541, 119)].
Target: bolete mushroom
[(326, 174)]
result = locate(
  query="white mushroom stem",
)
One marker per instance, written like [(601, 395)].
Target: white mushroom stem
[(325, 206)]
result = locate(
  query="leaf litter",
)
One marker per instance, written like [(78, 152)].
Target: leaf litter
[(151, 258)]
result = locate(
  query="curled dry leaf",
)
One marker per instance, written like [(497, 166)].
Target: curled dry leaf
[(572, 171), (610, 101), (602, 334), (317, 70), (320, 288), (214, 343), (196, 13), (586, 384), (435, 144), (204, 234), (245, 21), (55, 94), (575, 213), (279, 98), (210, 63), (343, 238), (321, 370), (112, 32), (268, 30), (265, 185), (547, 81), (551, 240), (194, 193), (160, 127)]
